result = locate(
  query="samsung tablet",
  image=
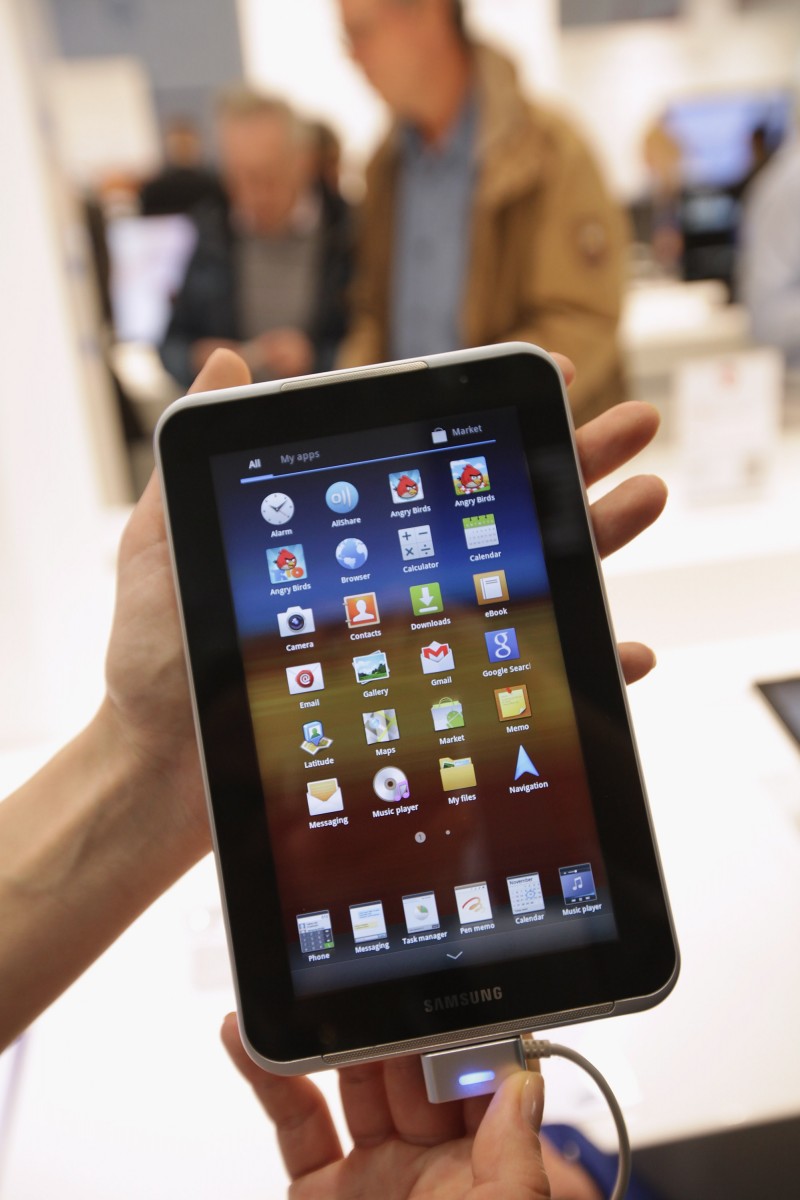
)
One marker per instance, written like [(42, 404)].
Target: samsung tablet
[(428, 813)]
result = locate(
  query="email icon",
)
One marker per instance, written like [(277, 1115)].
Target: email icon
[(512, 702), (436, 657), (324, 796), (456, 774)]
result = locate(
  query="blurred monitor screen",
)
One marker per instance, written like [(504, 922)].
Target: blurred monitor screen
[(149, 256), (714, 133)]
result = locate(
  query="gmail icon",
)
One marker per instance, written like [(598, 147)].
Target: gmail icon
[(436, 657)]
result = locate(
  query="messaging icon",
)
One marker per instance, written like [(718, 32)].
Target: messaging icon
[(456, 773), (438, 656), (323, 796)]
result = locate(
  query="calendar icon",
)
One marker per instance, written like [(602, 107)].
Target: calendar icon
[(525, 893), (480, 531)]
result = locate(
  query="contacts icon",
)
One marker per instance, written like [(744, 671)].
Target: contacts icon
[(362, 610)]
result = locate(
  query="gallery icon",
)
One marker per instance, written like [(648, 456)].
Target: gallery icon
[(323, 796), (470, 475), (438, 656), (406, 486), (480, 531), (472, 902), (371, 668), (416, 542), (277, 508), (577, 883), (351, 554), (447, 714), (296, 621), (456, 774), (501, 645), (307, 678), (420, 912), (426, 598), (381, 726), (314, 738), (286, 563), (490, 587), (512, 702), (341, 497), (390, 784), (361, 610)]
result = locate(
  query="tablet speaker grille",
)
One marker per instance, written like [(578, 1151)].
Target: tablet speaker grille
[(436, 1041)]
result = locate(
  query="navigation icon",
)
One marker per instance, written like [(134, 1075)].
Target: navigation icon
[(524, 765)]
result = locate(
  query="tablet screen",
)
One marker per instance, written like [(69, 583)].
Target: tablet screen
[(423, 779)]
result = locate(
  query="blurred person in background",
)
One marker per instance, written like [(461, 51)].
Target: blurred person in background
[(270, 280), (486, 218), (327, 152), (657, 215), (769, 269), (185, 181)]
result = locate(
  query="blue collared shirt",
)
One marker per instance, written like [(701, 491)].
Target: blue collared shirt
[(431, 239)]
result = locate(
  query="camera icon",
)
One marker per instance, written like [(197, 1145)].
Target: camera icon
[(295, 621)]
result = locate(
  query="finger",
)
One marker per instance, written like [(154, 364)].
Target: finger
[(506, 1153), (613, 438), (566, 367), (415, 1119), (623, 513), (636, 660), (365, 1105), (306, 1133), (223, 369)]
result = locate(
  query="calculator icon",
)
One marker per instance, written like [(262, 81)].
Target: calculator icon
[(525, 893)]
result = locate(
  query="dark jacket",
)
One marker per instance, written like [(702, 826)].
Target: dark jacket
[(207, 304)]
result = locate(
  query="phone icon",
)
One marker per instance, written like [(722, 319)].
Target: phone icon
[(316, 931)]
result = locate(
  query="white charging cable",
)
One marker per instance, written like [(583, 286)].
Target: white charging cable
[(534, 1048)]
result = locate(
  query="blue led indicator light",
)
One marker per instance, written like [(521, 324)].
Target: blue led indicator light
[(475, 1077)]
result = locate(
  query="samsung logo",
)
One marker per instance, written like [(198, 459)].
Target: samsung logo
[(463, 999)]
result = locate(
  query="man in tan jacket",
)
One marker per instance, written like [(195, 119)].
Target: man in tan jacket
[(485, 218)]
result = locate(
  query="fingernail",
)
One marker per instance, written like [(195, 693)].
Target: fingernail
[(531, 1100)]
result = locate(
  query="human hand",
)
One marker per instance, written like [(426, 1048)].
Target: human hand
[(203, 348), (286, 352), (404, 1147), (147, 697)]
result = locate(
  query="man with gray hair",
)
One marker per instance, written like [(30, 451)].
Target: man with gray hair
[(270, 281)]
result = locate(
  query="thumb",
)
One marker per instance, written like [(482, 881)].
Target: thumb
[(223, 369), (506, 1154)]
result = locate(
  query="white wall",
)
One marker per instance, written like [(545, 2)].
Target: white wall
[(54, 461)]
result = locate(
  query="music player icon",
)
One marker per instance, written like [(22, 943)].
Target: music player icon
[(577, 884)]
